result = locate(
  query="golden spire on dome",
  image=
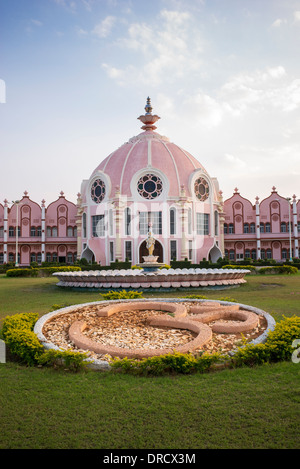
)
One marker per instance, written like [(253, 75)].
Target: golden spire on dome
[(148, 119)]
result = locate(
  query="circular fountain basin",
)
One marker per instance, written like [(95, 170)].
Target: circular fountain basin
[(152, 280)]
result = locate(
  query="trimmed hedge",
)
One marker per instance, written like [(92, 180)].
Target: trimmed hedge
[(282, 269), (172, 362), (40, 271), (17, 333), (278, 346), (121, 295)]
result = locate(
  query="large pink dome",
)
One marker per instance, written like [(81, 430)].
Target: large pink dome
[(149, 150)]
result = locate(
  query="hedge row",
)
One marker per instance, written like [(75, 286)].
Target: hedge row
[(22, 342), (40, 271), (279, 269)]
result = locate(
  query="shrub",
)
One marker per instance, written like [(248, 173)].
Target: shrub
[(282, 269), (73, 361), (122, 295), (277, 347), (173, 362), (227, 298), (244, 267), (22, 273), (18, 334), (197, 297), (41, 271), (281, 338)]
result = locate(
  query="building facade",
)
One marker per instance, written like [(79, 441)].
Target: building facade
[(149, 184), (265, 230), (38, 233)]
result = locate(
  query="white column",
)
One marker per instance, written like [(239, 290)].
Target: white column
[(257, 228), (43, 251), (5, 234), (295, 221)]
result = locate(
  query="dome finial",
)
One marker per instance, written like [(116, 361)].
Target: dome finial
[(148, 107), (148, 119)]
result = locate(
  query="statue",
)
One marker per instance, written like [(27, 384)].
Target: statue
[(150, 242)]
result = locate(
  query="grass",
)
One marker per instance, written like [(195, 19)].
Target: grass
[(245, 408), (229, 409)]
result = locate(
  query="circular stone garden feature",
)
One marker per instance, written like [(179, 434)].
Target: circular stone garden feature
[(141, 328)]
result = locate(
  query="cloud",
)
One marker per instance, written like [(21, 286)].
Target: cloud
[(277, 23), (262, 90), (69, 4), (296, 16), (36, 22), (104, 28), (166, 50)]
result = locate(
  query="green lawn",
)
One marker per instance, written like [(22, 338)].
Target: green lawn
[(229, 409)]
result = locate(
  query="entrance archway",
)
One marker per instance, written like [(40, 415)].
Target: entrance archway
[(88, 255), (214, 254), (158, 251)]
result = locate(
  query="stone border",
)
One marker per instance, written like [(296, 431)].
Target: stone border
[(104, 365)]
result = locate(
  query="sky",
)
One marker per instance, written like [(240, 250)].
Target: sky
[(223, 75)]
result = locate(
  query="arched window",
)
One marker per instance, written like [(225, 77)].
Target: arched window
[(262, 228), (268, 227), (54, 231), (172, 221), (231, 228), (252, 227), (225, 228), (70, 231), (11, 232), (246, 227)]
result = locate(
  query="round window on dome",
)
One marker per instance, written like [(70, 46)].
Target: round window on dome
[(98, 191), (201, 189), (149, 186)]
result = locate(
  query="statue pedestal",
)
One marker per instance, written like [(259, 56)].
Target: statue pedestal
[(150, 264), (150, 259)]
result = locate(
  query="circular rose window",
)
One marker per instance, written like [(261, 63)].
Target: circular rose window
[(149, 186), (98, 191), (201, 189)]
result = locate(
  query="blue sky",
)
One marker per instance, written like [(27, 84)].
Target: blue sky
[(223, 75)]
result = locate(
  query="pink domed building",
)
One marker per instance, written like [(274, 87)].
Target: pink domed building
[(149, 183)]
